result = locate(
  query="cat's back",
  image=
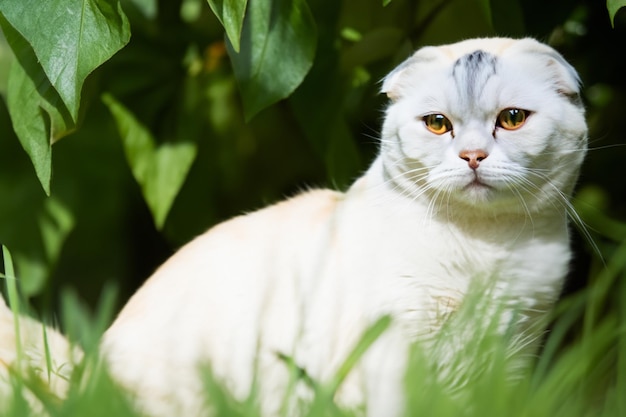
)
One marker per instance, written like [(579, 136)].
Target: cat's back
[(235, 252), (212, 298), (261, 230)]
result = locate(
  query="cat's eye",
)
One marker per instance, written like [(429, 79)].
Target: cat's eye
[(511, 119), (437, 123)]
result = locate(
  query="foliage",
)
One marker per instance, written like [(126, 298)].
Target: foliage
[(614, 6), (159, 171), (231, 14), (264, 72)]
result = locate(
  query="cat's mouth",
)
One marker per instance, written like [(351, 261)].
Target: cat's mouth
[(477, 183), (478, 190)]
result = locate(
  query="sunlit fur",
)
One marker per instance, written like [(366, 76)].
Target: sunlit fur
[(304, 277)]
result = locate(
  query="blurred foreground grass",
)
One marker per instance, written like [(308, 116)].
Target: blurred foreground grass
[(580, 371)]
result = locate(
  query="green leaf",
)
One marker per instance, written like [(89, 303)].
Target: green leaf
[(160, 171), (386, 2), (81, 324), (13, 291), (42, 111), (277, 49), (31, 122), (613, 7), (148, 8), (70, 38), (230, 14), (38, 114), (55, 223), (14, 300)]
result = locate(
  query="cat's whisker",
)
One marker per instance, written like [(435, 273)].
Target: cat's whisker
[(531, 188), (402, 195), (603, 147), (398, 190), (564, 152), (383, 141), (433, 205), (528, 217), (584, 150), (414, 177), (448, 193), (408, 174), (565, 203), (443, 191)]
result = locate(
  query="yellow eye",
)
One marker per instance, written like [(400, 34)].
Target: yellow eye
[(437, 123), (511, 119)]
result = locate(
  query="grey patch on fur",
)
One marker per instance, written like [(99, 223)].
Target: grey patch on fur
[(471, 73), (572, 97)]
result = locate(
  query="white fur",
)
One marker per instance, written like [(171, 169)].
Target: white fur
[(34, 364), (304, 277)]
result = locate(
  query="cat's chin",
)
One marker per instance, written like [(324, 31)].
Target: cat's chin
[(478, 193), (481, 198)]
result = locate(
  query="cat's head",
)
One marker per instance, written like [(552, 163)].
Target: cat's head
[(488, 123)]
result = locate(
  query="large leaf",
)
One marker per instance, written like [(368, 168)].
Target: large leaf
[(230, 13), (57, 44), (38, 114), (277, 49), (613, 7), (160, 171), (70, 39), (31, 123)]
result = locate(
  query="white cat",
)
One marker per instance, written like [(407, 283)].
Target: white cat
[(481, 146)]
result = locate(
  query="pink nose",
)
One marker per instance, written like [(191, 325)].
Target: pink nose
[(473, 157)]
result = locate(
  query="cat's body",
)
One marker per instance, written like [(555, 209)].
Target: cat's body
[(481, 146), (459, 193), (318, 293)]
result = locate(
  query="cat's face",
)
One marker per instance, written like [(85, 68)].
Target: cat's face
[(494, 123)]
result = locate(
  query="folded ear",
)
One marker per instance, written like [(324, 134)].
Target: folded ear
[(567, 79), (563, 75), (392, 83)]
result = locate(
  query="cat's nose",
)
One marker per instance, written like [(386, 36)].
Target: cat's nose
[(473, 157)]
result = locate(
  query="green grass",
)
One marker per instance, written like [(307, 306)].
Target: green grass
[(580, 371)]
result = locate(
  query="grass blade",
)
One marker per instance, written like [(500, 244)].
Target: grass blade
[(14, 301), (371, 334)]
